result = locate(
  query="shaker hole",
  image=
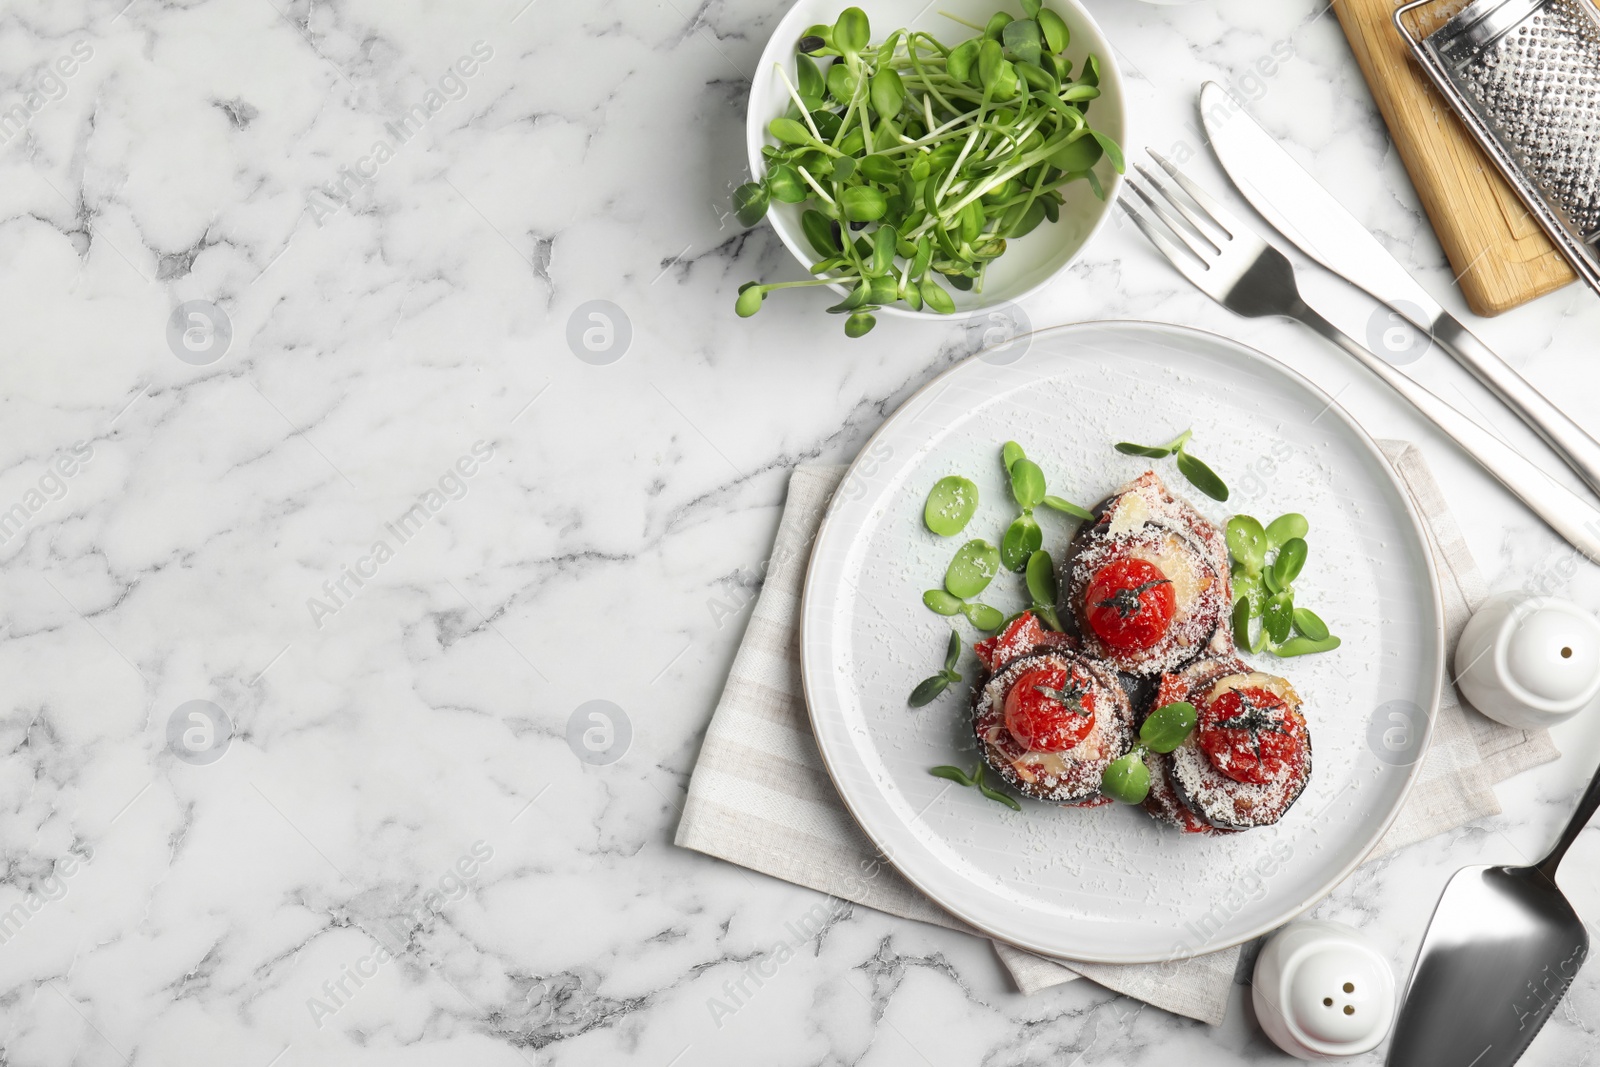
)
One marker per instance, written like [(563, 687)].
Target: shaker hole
[(1349, 1009), (1566, 653), (1349, 987), (1327, 1002)]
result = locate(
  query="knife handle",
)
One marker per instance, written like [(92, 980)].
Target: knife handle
[(1570, 441), (1567, 513)]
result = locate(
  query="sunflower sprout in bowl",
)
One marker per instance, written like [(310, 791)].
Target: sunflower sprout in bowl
[(932, 159)]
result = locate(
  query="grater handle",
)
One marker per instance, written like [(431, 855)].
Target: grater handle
[(1570, 441), (1566, 512)]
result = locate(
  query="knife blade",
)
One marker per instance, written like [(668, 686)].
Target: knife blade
[(1308, 215)]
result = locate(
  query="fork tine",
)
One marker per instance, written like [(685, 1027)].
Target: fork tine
[(1162, 242), (1201, 222), (1219, 215), (1211, 249)]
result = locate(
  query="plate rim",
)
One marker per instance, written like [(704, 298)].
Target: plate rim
[(1437, 673)]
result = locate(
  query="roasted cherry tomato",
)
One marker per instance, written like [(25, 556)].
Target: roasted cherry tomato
[(1250, 735), (1050, 710), (1130, 605)]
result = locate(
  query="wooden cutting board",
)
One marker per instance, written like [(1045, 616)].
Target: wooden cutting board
[(1500, 255)]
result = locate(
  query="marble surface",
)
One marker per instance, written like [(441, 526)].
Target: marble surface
[(398, 858)]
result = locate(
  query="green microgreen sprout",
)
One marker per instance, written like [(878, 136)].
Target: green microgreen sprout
[(1197, 473), (929, 688), (1024, 537), (969, 574), (951, 504), (1266, 562), (1128, 779), (1042, 588), (947, 153), (962, 778)]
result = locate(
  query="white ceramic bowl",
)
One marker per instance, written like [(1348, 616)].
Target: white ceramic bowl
[(1029, 263)]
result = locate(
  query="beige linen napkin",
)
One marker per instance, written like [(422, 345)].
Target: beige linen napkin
[(760, 796)]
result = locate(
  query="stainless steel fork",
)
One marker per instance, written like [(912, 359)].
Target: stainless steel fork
[(1238, 269)]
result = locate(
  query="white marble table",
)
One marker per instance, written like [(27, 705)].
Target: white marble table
[(398, 858)]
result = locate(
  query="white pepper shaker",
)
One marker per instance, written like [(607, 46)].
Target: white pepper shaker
[(1323, 991), (1529, 661)]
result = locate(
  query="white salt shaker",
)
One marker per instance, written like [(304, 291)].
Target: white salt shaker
[(1529, 661), (1323, 991)]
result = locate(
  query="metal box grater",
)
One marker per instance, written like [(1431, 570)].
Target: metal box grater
[(1524, 76)]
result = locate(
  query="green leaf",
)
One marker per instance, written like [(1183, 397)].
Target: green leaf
[(880, 169), (808, 76), (1305, 646), (819, 231), (973, 568), (962, 59), (863, 203), (884, 289), (1127, 779), (1047, 615), (954, 774), (996, 795), (749, 302), (1241, 621), (1148, 451), (928, 690), (1286, 526), (996, 26), (1290, 562), (953, 652), (1038, 78), (852, 32), (1010, 452), (1023, 40), (1091, 70), (843, 82), (1310, 624), (1201, 476), (1030, 8), (750, 203), (1113, 152), (859, 324), (784, 183), (1067, 507), (952, 502), (990, 57), (1056, 34), (888, 92), (1023, 538), (883, 242), (789, 131), (941, 603), (1077, 155), (1247, 543), (1169, 726), (983, 616), (1082, 92), (936, 298), (1041, 578), (1027, 483), (1279, 617)]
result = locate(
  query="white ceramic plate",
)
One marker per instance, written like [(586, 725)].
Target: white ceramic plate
[(1110, 884), (1030, 262)]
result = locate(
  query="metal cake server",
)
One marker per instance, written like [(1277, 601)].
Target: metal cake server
[(1499, 954), (1308, 215)]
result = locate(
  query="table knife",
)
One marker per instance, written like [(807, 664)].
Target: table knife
[(1308, 215)]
